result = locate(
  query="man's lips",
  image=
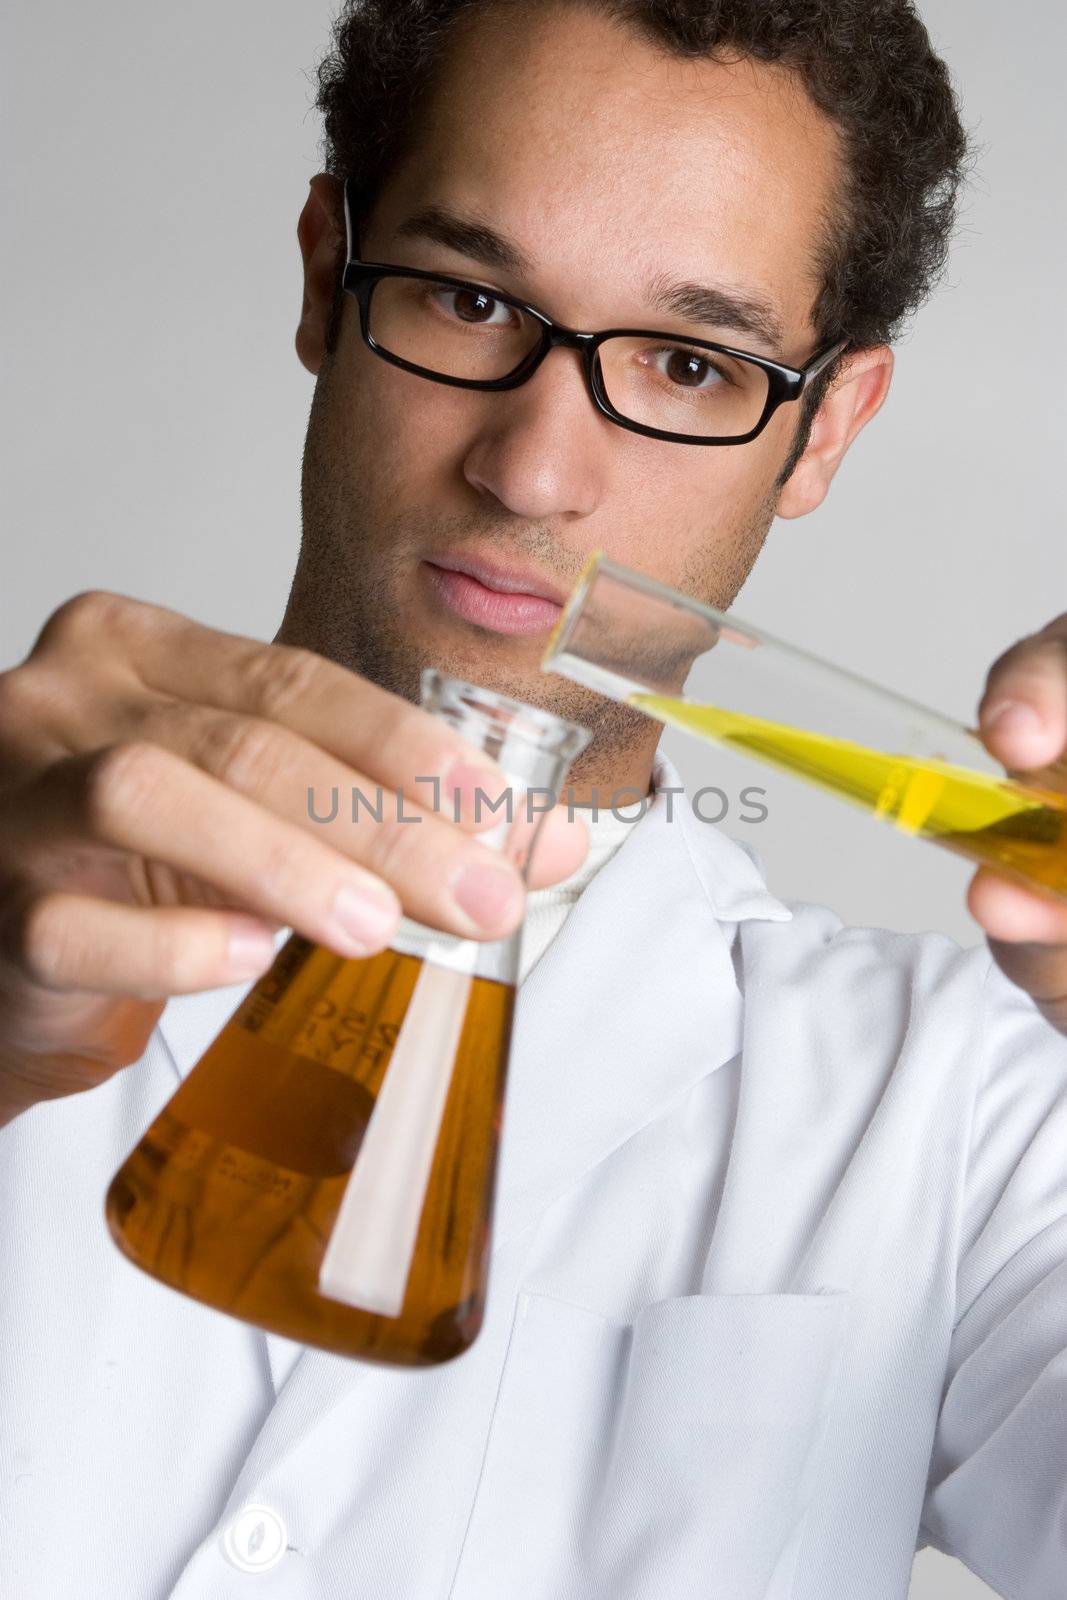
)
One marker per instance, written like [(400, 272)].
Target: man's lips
[(498, 608)]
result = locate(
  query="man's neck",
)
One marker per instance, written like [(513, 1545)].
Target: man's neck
[(606, 783)]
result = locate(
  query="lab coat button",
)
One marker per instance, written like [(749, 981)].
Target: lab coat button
[(255, 1540)]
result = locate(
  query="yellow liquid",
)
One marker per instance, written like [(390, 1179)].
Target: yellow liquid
[(1021, 831)]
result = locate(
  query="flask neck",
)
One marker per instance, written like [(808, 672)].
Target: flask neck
[(530, 744), (534, 749)]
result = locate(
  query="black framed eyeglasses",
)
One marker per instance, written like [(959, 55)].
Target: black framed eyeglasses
[(686, 391)]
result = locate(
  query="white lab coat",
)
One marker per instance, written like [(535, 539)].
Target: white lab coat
[(778, 1291)]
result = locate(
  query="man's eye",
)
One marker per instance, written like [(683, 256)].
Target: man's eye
[(473, 305), (689, 369)]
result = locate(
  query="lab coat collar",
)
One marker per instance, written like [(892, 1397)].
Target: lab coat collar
[(729, 872)]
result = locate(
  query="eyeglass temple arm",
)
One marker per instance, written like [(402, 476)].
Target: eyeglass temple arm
[(351, 239), (822, 362)]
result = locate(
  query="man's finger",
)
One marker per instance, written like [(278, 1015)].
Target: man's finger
[(169, 657), (64, 942), (560, 849), (1023, 712), (1011, 913), (1041, 970), (1027, 936)]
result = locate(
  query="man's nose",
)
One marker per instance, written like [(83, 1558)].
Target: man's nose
[(543, 448)]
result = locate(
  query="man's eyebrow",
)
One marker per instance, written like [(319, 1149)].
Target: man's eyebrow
[(721, 308), (696, 302), (467, 236)]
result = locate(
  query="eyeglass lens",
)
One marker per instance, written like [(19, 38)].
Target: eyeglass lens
[(466, 333)]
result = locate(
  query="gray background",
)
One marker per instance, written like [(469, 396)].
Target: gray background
[(153, 409)]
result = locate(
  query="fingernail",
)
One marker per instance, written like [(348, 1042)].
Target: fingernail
[(486, 894), (249, 951), (1013, 716), (363, 923)]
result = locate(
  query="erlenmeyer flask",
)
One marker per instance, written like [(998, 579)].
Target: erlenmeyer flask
[(327, 1169)]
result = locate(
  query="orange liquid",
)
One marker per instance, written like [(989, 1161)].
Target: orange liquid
[(231, 1195)]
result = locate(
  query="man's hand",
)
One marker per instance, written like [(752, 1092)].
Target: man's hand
[(155, 829), (1023, 721)]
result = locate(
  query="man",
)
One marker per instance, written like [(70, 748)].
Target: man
[(779, 1287)]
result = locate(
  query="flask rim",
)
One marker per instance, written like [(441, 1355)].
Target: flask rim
[(501, 713)]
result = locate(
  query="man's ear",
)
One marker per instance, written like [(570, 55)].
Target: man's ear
[(321, 232), (854, 397)]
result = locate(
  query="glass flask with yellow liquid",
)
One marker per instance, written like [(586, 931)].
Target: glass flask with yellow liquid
[(327, 1169), (707, 673)]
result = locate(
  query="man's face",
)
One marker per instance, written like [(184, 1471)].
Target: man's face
[(610, 167)]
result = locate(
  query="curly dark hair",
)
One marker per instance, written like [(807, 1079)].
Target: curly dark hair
[(868, 64)]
